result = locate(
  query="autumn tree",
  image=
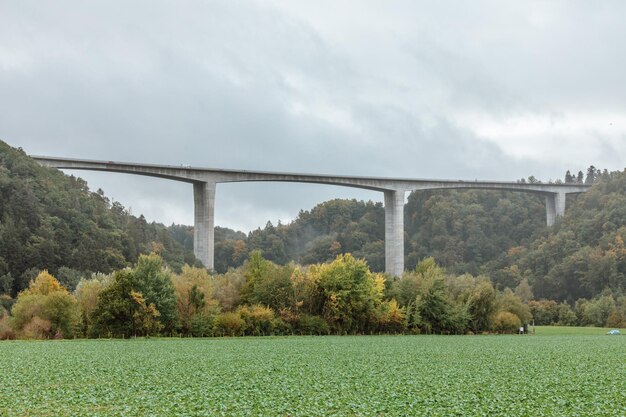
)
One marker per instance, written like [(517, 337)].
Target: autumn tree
[(544, 312), (46, 309), (406, 289), (145, 316), (195, 305), (227, 288), (259, 320), (351, 294), (508, 301), (118, 312), (481, 305), (390, 317), (87, 294), (432, 310), (506, 322), (266, 283)]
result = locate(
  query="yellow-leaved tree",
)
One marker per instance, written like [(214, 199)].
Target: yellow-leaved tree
[(351, 294), (195, 305), (46, 309), (88, 293), (145, 316)]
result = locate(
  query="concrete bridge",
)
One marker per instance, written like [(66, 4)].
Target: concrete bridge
[(204, 182)]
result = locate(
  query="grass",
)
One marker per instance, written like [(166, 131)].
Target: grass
[(554, 375), (571, 331)]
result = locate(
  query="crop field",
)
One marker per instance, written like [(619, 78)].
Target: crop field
[(552, 375)]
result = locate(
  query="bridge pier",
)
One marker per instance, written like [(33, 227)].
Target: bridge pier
[(555, 207), (204, 219), (394, 232)]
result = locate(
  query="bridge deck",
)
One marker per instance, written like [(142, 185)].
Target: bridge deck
[(190, 174)]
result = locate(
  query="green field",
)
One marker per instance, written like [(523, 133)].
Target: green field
[(553, 375), (571, 331)]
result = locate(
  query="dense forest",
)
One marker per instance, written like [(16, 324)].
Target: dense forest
[(49, 220), (583, 255)]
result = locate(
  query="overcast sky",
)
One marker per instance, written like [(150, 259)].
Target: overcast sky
[(442, 89)]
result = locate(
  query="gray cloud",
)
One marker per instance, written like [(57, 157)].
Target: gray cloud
[(410, 89)]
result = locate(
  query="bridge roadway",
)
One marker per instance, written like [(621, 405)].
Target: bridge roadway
[(204, 182)]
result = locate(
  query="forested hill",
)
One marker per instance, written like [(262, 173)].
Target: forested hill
[(49, 220), (462, 230), (495, 233), (582, 256)]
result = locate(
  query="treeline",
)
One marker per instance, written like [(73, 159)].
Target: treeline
[(51, 220), (263, 298)]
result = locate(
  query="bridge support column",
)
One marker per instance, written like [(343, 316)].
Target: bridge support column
[(555, 207), (394, 232), (204, 219)]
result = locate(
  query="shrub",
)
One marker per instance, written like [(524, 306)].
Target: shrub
[(390, 317), (37, 328), (566, 315), (615, 319), (506, 322), (509, 301), (230, 324), (203, 325), (258, 319), (280, 327), (289, 318), (314, 325), (457, 320), (6, 332), (544, 312), (596, 312)]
